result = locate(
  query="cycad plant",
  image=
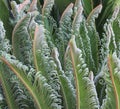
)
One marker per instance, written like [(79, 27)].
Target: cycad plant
[(60, 61)]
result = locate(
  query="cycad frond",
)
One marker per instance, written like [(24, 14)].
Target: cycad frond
[(43, 59), (94, 37), (63, 37), (39, 89), (107, 11), (6, 84), (112, 78), (66, 84), (82, 81), (22, 50)]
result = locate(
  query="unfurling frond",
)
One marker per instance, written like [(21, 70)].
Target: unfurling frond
[(85, 89), (77, 20), (94, 36), (66, 84), (21, 41), (43, 60), (112, 78), (7, 86), (64, 32), (41, 92)]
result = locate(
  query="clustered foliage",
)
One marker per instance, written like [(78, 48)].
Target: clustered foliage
[(60, 61)]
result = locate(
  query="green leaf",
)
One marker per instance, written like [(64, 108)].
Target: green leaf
[(87, 37), (21, 41), (68, 69), (43, 95), (113, 84), (38, 38), (6, 85), (39, 43), (107, 11), (69, 101), (94, 37), (50, 24), (103, 54), (21, 75), (77, 20), (86, 95), (43, 60), (64, 32)]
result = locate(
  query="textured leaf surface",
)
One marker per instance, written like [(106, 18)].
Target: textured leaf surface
[(107, 11), (21, 41), (94, 37), (113, 84), (85, 98), (42, 93), (7, 86), (69, 101), (64, 32)]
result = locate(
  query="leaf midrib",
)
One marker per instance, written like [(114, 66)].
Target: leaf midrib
[(113, 82), (28, 86)]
